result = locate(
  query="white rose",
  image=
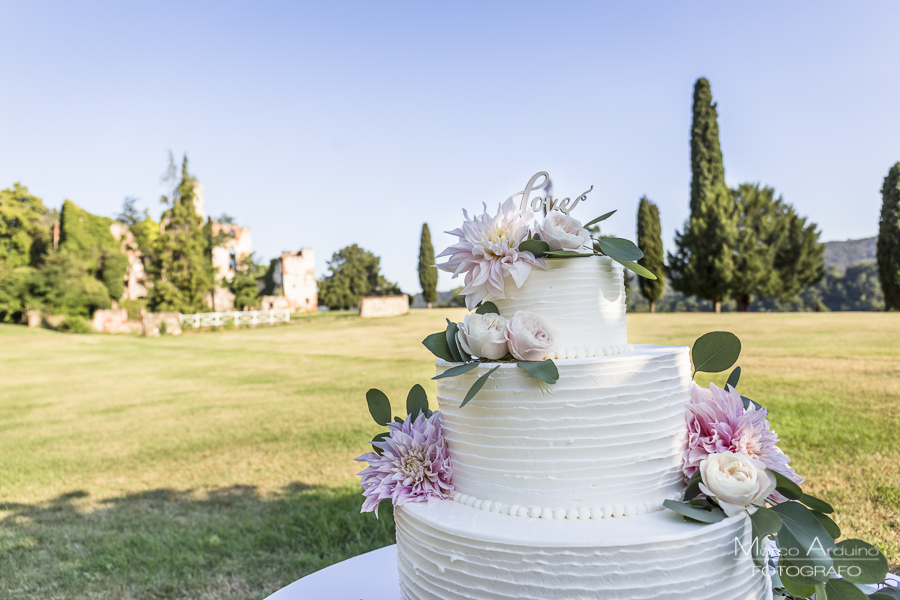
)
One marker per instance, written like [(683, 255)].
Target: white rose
[(529, 337), (483, 336), (563, 232), (737, 482)]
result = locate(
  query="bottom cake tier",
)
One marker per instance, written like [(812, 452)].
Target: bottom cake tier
[(448, 551)]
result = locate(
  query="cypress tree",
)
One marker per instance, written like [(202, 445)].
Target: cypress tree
[(649, 240), (888, 249), (428, 275), (181, 263), (703, 263)]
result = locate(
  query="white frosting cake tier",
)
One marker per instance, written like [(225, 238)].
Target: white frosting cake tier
[(446, 551), (582, 300), (605, 440)]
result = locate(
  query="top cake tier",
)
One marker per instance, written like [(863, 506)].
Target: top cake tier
[(581, 299)]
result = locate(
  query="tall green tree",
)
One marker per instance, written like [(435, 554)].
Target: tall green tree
[(888, 249), (777, 255), (703, 263), (24, 228), (428, 274), (649, 240), (180, 265), (354, 273), (244, 284)]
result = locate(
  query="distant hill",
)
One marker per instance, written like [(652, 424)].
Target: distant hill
[(844, 254)]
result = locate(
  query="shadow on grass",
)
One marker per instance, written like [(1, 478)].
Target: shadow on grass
[(229, 543)]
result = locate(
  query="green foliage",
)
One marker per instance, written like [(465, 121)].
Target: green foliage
[(888, 250), (133, 307), (269, 279), (144, 229), (355, 272), (244, 283), (15, 293), (428, 274), (649, 240), (180, 265), (65, 286), (88, 238), (75, 324), (703, 263), (24, 228), (777, 254)]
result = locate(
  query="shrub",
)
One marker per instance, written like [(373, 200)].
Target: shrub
[(76, 324)]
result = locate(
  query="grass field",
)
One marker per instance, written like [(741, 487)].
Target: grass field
[(219, 465)]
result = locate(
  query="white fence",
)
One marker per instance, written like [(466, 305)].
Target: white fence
[(246, 317)]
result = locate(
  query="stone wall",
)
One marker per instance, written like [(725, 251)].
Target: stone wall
[(152, 322), (113, 320), (135, 276), (383, 306)]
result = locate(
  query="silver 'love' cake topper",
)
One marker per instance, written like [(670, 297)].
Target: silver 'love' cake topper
[(547, 203)]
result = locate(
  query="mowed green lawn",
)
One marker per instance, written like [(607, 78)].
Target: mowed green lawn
[(219, 465)]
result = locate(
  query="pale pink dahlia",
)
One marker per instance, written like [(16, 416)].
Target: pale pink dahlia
[(415, 465), (717, 422), (487, 252)]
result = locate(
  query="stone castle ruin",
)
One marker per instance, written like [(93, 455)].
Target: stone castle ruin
[(291, 279)]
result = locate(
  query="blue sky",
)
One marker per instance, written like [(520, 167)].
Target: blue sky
[(335, 123)]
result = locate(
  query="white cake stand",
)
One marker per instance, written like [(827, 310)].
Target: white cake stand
[(369, 576)]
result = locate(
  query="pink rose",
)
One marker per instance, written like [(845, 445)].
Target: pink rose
[(529, 337)]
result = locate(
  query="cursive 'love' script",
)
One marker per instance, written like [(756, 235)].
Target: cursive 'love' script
[(547, 203)]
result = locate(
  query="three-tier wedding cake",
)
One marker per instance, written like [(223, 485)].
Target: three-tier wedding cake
[(559, 488)]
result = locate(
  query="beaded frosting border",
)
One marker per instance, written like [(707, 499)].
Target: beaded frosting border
[(536, 512), (591, 352)]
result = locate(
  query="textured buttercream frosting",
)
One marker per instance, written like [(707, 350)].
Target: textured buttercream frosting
[(581, 299), (447, 551), (605, 440)]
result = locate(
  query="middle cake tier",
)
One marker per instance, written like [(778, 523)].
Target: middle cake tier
[(605, 440)]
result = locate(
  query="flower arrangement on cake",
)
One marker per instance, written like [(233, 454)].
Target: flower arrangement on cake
[(733, 466)]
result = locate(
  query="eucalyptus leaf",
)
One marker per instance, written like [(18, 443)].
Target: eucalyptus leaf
[(693, 487), (487, 307), (766, 521), (821, 594), (859, 562), (763, 523), (453, 341), (828, 524), (536, 247), (692, 512), (734, 378), (748, 402), (619, 249), (802, 532), (799, 572), (437, 344), (398, 420), (840, 589), (457, 371), (600, 218), (565, 254), (886, 594), (379, 406), (636, 269), (476, 387), (715, 352), (416, 402), (816, 504), (544, 370), (380, 438), (785, 486), (797, 590)]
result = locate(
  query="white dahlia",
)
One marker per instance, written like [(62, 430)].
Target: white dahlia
[(487, 252)]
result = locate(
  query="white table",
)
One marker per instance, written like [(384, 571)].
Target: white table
[(369, 576)]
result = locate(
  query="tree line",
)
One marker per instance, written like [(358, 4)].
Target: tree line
[(749, 247)]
